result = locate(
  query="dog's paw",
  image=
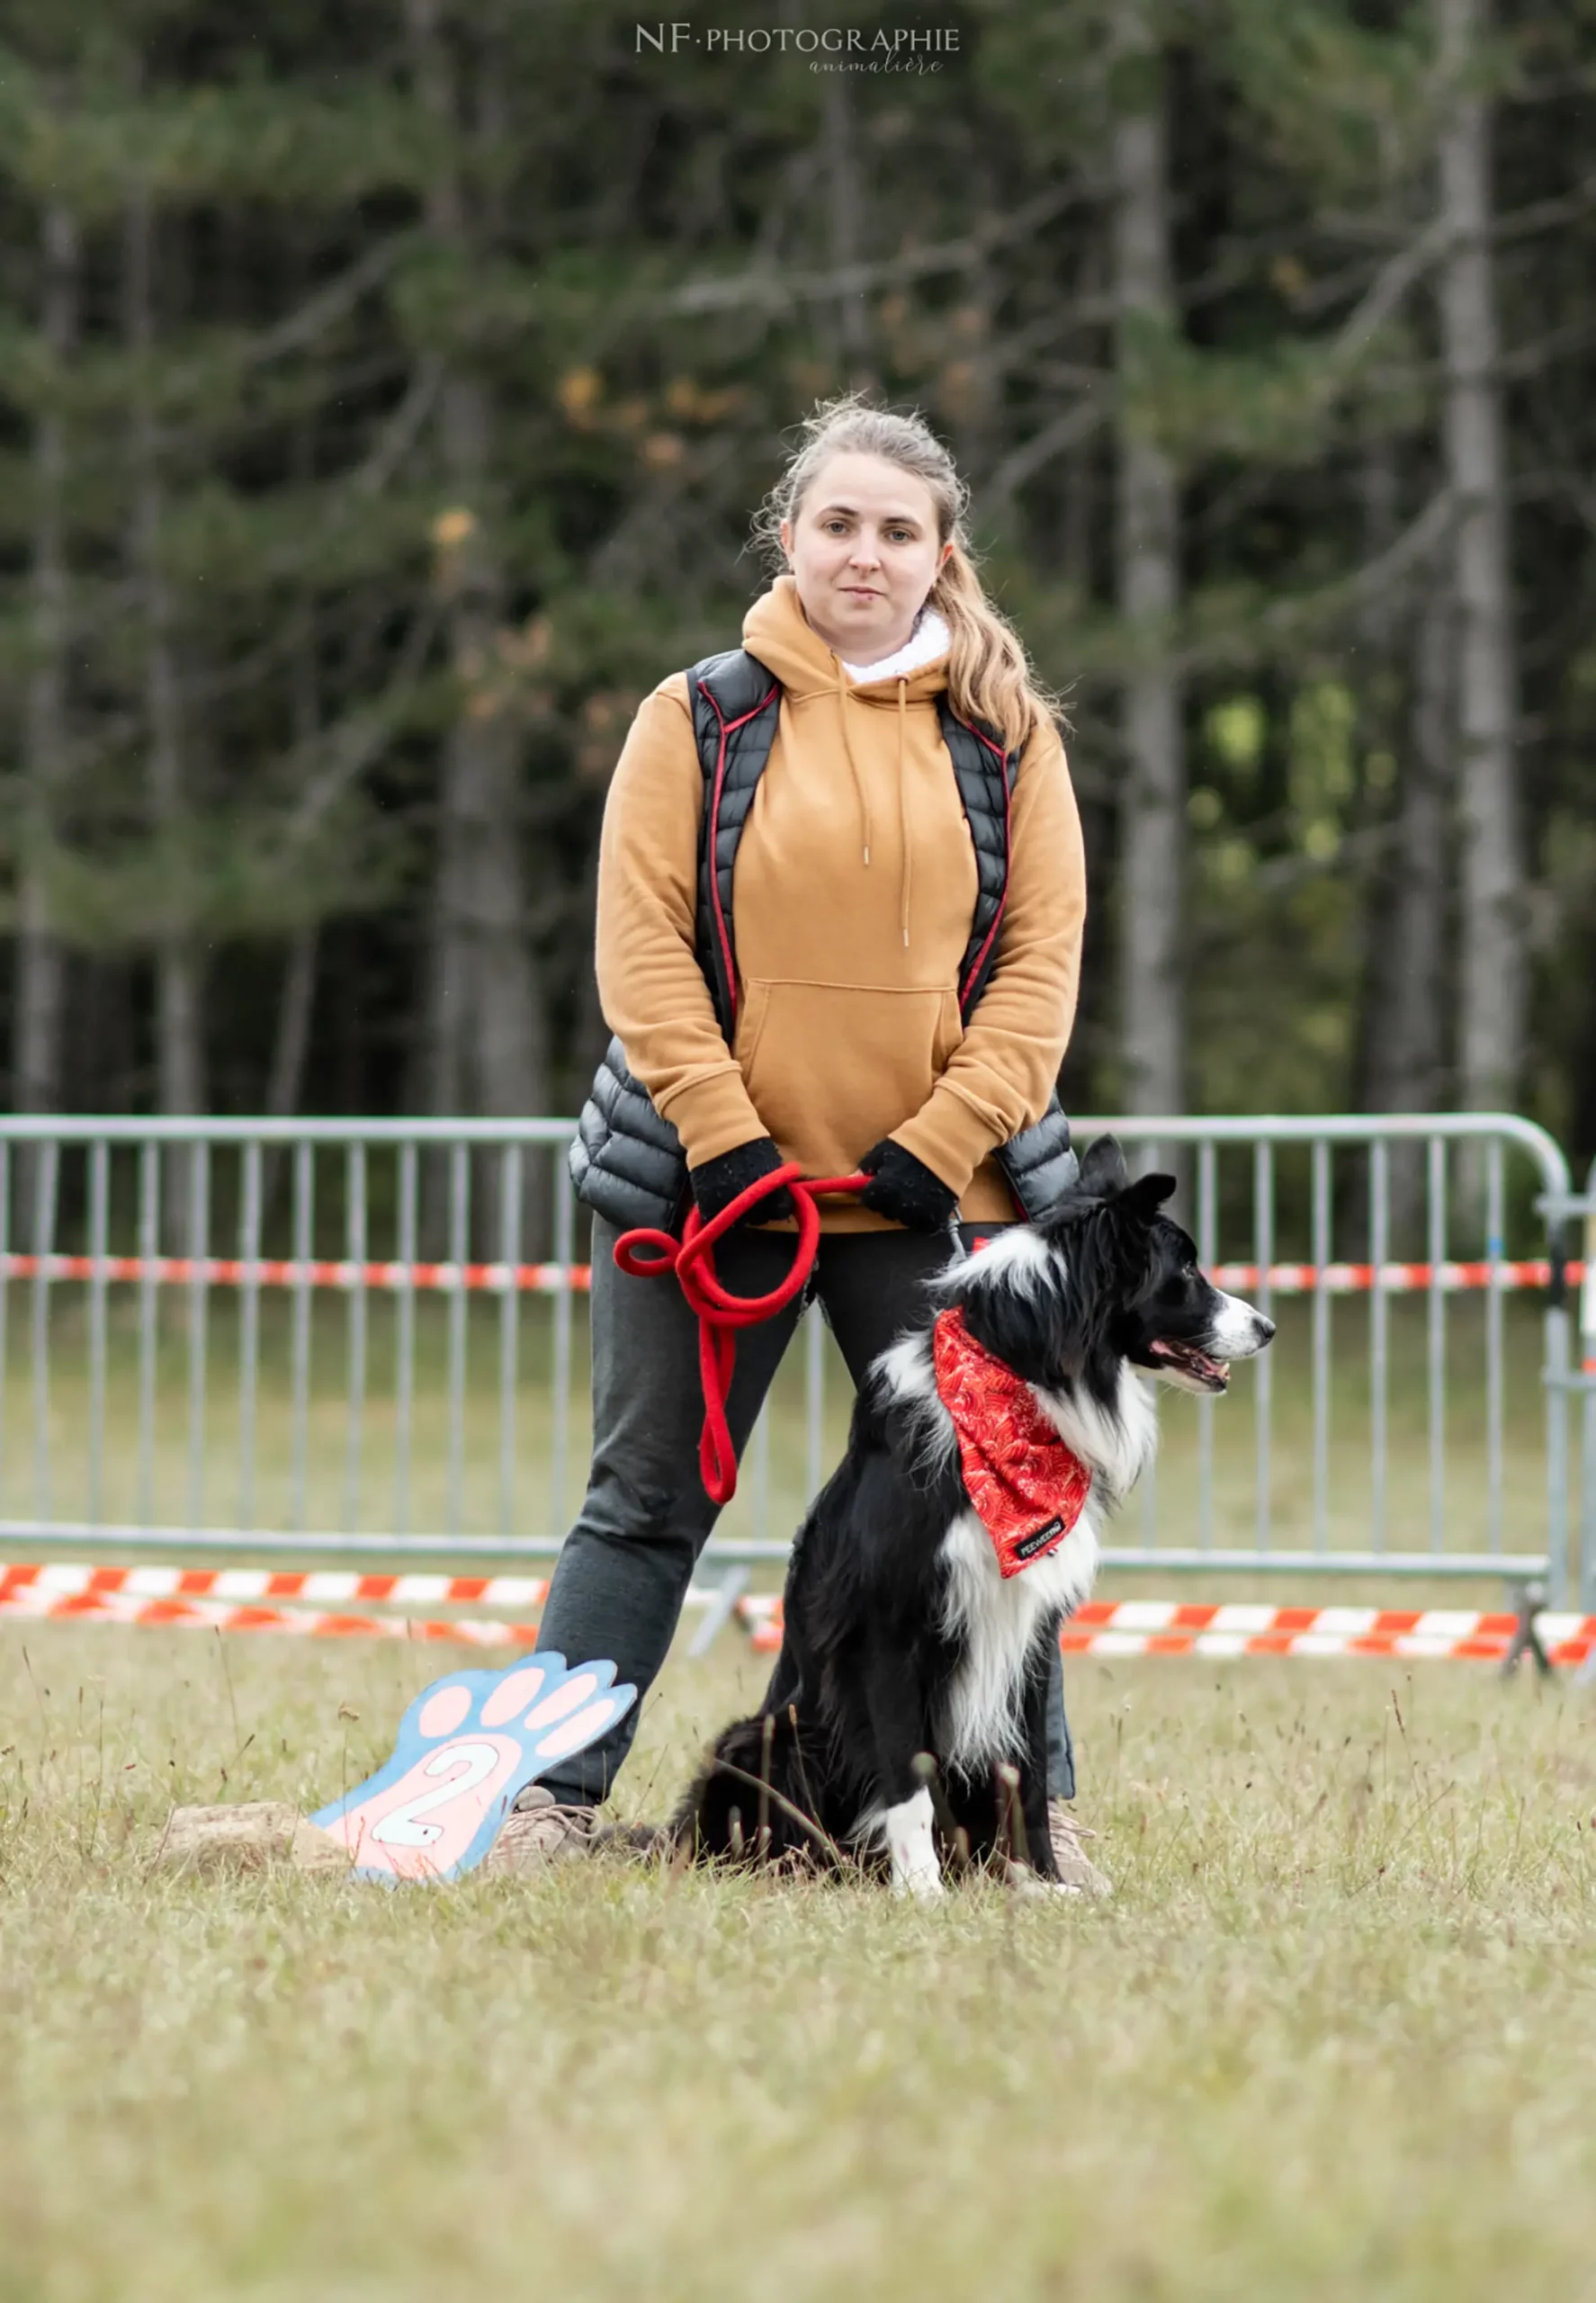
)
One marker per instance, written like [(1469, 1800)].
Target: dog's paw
[(920, 1887), (466, 1747)]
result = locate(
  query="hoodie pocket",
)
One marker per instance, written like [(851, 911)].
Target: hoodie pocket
[(750, 1023), (950, 1031), (831, 1069)]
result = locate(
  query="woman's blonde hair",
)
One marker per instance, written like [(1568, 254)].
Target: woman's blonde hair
[(988, 673)]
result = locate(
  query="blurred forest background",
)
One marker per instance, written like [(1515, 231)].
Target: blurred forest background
[(386, 386)]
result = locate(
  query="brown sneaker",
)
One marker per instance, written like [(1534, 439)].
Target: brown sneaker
[(1076, 1869), (539, 1832)]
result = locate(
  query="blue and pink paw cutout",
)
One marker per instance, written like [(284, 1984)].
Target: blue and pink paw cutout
[(466, 1747)]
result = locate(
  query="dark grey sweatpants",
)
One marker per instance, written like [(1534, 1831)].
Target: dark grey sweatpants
[(623, 1574)]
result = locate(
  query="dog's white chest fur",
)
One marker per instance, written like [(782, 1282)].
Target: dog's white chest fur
[(992, 1618), (996, 1619)]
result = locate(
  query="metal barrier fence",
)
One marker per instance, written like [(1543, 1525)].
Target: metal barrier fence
[(1437, 1179), (1587, 1385), (1434, 1444), (1581, 1384)]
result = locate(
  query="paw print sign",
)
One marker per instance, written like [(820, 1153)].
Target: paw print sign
[(466, 1747)]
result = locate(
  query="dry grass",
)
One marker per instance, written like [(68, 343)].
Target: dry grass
[(1334, 2037)]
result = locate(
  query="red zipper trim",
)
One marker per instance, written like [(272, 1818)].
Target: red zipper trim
[(727, 727)]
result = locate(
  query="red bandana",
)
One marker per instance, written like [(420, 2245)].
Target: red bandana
[(1028, 1488)]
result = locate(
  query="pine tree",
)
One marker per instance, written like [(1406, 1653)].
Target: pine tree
[(1151, 891), (1492, 974)]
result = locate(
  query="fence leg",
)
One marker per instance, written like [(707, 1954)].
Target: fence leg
[(1587, 1525), (718, 1614), (1525, 1639)]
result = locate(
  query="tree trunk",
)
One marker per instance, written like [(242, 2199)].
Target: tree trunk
[(1147, 540), (591, 1036), (1414, 1074), (1493, 964), (486, 1040), (296, 1006), (291, 1044), (845, 219), (179, 1028), (1407, 1046), (42, 961), (1080, 468), (1403, 1034), (487, 1035), (1076, 519), (1403, 912)]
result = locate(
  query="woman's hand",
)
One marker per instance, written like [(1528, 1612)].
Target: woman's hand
[(717, 1182), (904, 1190)]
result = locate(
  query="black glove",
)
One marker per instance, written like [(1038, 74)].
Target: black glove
[(717, 1182), (905, 1189)]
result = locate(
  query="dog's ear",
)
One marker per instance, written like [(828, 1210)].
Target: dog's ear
[(1146, 1195), (1103, 1168)]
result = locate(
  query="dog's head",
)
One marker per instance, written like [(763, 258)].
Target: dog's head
[(1104, 1277)]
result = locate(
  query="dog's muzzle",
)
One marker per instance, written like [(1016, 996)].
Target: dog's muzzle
[(1185, 1360)]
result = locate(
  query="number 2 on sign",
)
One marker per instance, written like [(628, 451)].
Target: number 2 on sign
[(402, 1828)]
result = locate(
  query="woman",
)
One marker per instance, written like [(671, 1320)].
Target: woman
[(855, 884)]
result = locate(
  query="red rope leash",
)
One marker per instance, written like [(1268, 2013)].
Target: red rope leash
[(720, 1314)]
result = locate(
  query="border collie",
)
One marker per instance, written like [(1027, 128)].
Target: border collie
[(907, 1705)]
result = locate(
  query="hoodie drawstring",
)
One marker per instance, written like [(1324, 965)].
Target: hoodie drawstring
[(848, 747), (902, 813), (863, 798)]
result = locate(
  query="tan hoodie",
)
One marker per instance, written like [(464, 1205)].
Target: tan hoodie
[(852, 903)]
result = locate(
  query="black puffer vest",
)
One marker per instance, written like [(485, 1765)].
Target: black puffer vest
[(626, 1161)]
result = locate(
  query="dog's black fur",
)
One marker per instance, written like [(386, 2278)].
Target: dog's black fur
[(900, 1638)]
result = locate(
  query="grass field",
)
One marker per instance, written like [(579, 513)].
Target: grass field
[(1334, 2037)]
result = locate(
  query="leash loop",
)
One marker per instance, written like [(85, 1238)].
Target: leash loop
[(718, 1312)]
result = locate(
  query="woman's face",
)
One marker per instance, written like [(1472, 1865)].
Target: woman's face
[(863, 549)]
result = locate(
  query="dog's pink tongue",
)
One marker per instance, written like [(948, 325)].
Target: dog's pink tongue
[(1188, 1356)]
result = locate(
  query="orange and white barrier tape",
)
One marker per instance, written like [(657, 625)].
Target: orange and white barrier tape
[(73, 1578), (553, 1278), (1391, 1279), (235, 1271), (248, 1599), (32, 1603), (1177, 1627)]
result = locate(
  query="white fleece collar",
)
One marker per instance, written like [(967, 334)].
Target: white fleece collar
[(929, 639)]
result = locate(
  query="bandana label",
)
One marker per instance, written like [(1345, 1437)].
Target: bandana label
[(1028, 1488)]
